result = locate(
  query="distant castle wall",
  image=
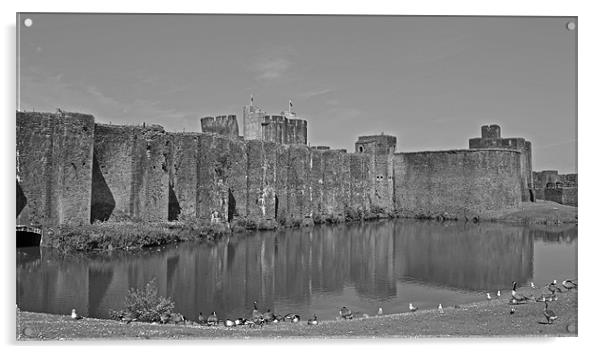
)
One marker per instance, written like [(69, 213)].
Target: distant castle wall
[(222, 125), (550, 185), (491, 139)]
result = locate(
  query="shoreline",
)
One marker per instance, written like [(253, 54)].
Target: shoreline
[(109, 236), (481, 319)]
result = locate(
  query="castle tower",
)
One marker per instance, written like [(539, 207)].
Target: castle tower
[(491, 138), (252, 117), (381, 148)]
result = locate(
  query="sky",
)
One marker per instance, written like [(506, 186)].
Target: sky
[(429, 81)]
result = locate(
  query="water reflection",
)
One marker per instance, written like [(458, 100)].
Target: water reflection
[(386, 263)]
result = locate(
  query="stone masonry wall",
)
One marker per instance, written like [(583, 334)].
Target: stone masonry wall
[(73, 171), (54, 167), (457, 182)]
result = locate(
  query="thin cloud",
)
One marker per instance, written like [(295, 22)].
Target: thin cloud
[(273, 68), (316, 93)]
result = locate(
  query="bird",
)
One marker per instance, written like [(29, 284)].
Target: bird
[(380, 311), (75, 316), (313, 321), (164, 318), (412, 307), (202, 319), (255, 314), (499, 293), (240, 321), (533, 286), (345, 313), (488, 296), (229, 323), (550, 315), (295, 318), (440, 308), (512, 310), (178, 318), (212, 319), (569, 284), (553, 287), (516, 296), (268, 315)]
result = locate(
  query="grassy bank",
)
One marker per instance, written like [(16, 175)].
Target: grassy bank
[(486, 318), (540, 212)]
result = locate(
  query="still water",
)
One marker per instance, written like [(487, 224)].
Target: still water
[(384, 264)]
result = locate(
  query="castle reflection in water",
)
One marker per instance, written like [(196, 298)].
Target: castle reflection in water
[(292, 268)]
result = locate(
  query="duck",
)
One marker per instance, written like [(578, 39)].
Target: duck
[(569, 284), (499, 293), (75, 316), (412, 307), (229, 323), (202, 319), (212, 319), (380, 311), (518, 297), (164, 318), (313, 321), (550, 314), (178, 318), (345, 313), (440, 308), (488, 296)]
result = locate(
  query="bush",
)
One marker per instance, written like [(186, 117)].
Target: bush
[(145, 305)]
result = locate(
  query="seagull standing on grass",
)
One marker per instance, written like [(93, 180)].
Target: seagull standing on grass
[(413, 308)]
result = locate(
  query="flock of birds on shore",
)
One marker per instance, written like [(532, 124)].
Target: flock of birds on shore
[(259, 318)]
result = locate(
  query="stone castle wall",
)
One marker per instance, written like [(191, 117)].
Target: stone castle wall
[(144, 173), (457, 182), (54, 167), (223, 125)]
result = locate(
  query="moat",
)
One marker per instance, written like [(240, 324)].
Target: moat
[(365, 266)]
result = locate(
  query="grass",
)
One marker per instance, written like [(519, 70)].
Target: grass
[(108, 236)]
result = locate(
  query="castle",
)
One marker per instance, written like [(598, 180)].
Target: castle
[(71, 170)]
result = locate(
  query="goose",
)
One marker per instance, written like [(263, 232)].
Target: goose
[(229, 323), (212, 319), (240, 321), (440, 308), (345, 313), (516, 296), (553, 287), (499, 293), (295, 318), (569, 284), (202, 319), (255, 314), (380, 311), (488, 296), (512, 310), (268, 315), (550, 315), (75, 316), (313, 321)]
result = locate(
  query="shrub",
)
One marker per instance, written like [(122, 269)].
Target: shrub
[(145, 305)]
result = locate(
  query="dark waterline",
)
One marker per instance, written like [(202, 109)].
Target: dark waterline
[(363, 266)]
